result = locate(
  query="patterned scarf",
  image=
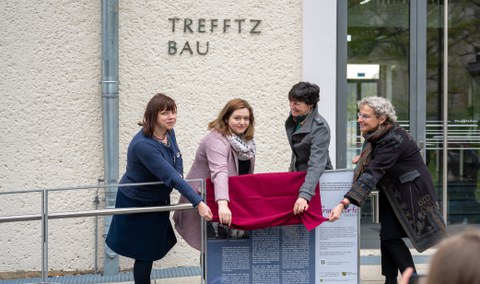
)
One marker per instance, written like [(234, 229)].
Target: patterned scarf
[(245, 149), (366, 155)]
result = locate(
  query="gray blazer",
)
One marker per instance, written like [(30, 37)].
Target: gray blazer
[(309, 146)]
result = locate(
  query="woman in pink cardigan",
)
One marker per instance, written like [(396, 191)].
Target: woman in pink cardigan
[(227, 150)]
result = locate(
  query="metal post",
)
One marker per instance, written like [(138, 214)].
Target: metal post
[(445, 111), (375, 198), (203, 240), (418, 72), (110, 117), (96, 202), (44, 236)]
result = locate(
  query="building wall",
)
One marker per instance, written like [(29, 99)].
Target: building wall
[(51, 129), (51, 123)]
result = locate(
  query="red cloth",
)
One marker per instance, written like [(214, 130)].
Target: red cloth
[(266, 200)]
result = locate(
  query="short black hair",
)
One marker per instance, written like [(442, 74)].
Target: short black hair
[(305, 92)]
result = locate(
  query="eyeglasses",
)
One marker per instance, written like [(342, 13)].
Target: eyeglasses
[(363, 116)]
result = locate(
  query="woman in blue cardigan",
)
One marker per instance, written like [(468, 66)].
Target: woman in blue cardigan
[(153, 156)]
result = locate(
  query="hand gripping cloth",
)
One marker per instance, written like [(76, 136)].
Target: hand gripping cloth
[(264, 200)]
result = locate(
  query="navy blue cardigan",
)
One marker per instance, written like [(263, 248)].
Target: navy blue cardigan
[(149, 161)]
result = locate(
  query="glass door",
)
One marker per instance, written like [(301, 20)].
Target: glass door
[(456, 179), (378, 48), (395, 49)]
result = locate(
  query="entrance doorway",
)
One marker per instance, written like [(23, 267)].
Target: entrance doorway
[(403, 42)]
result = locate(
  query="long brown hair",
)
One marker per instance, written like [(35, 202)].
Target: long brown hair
[(221, 122), (456, 260), (157, 103)]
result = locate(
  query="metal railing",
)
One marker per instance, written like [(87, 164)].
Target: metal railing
[(45, 215)]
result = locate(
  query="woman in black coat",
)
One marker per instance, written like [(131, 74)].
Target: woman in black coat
[(391, 162)]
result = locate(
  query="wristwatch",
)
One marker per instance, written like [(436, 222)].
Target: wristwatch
[(345, 204)]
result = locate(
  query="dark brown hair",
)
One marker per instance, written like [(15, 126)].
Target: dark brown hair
[(159, 102), (221, 122)]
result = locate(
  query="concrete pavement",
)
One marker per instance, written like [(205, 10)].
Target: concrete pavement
[(370, 272)]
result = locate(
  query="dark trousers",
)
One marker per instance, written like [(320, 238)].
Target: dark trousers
[(395, 256), (395, 253)]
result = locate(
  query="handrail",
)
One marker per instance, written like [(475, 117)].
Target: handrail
[(45, 215), (98, 212), (92, 213), (91, 186)]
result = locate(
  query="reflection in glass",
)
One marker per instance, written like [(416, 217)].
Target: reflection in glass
[(463, 162), (378, 56), (379, 35)]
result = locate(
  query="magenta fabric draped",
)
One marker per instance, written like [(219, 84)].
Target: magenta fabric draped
[(266, 200)]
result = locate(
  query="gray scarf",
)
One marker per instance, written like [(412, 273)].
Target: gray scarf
[(245, 149)]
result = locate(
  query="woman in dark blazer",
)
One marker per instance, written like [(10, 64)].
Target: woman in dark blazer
[(390, 161), (309, 136), (153, 156)]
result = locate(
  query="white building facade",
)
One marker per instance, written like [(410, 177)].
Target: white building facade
[(201, 53), (422, 55)]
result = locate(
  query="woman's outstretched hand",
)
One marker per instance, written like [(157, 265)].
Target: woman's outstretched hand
[(335, 213), (204, 211)]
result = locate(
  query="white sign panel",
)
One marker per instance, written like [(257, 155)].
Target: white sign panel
[(336, 249), (290, 254)]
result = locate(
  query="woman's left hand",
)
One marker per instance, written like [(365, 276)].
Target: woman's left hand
[(224, 213), (335, 213), (301, 205)]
